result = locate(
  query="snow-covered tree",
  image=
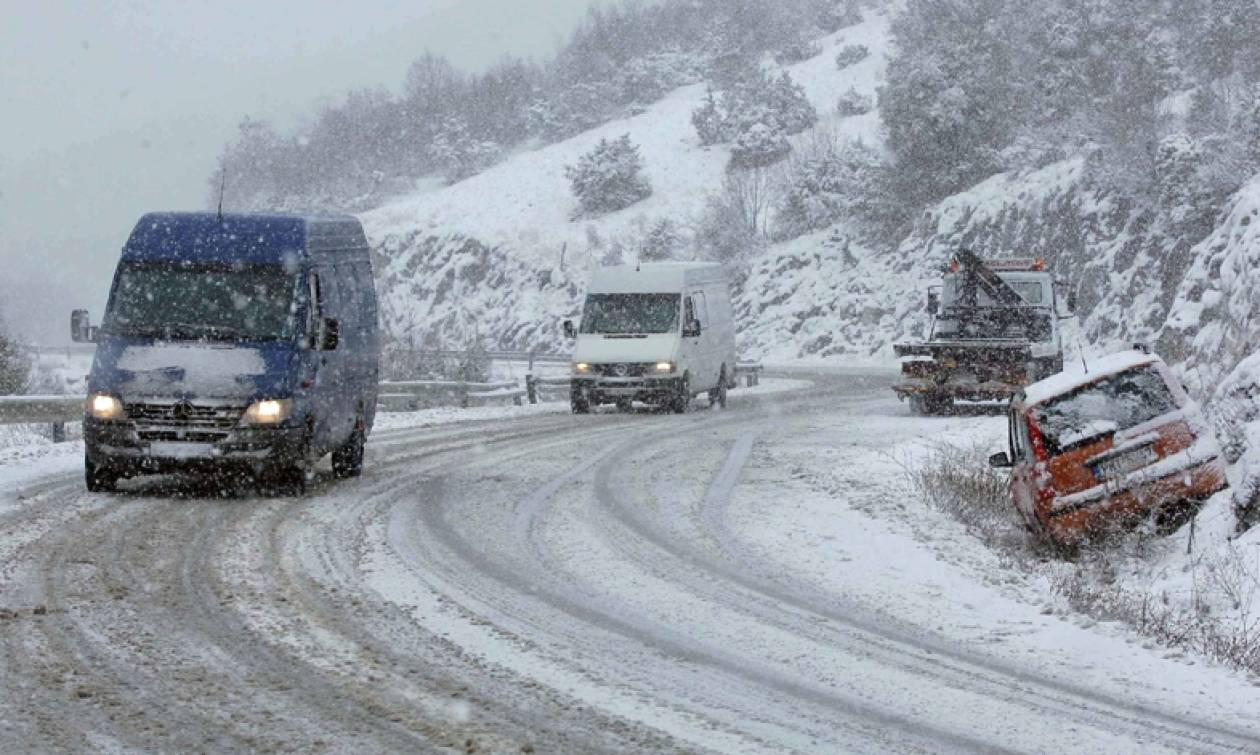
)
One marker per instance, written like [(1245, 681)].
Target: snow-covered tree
[(609, 178), (709, 120), (459, 154), (662, 242), (827, 183), (759, 143), (853, 103)]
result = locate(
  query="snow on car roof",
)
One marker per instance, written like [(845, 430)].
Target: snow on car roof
[(1075, 375), (656, 277)]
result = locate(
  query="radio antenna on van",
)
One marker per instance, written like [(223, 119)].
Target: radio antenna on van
[(222, 186), (1081, 349)]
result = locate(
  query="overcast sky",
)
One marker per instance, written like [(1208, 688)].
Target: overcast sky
[(116, 107)]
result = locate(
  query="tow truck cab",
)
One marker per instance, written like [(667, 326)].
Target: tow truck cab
[(242, 341), (1097, 451), (995, 329)]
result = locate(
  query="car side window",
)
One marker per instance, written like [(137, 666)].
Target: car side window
[(689, 312)]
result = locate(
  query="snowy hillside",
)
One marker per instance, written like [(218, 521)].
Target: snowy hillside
[(520, 212)]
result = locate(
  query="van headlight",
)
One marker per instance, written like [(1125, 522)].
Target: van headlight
[(268, 412), (664, 366), (104, 406), (581, 368)]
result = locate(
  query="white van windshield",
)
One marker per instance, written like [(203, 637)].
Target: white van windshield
[(198, 302), (627, 314)]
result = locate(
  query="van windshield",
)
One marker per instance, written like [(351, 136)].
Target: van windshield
[(182, 302), (1116, 403), (627, 314)]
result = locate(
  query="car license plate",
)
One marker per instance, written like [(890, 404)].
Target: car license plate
[(171, 450), (1116, 469)]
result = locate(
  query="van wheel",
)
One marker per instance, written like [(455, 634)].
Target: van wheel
[(682, 399), (347, 461), (717, 396), (99, 478)]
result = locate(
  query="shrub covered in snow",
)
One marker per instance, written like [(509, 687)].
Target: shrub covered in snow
[(797, 52), (759, 143), (756, 98), (853, 103), (851, 55), (826, 183), (609, 178)]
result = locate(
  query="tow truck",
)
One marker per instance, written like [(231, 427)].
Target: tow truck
[(995, 330)]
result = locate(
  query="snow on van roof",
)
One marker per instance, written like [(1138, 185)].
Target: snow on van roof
[(1075, 375), (655, 277)]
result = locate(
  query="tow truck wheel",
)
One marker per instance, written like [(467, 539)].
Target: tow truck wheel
[(625, 405), (579, 403), (99, 478)]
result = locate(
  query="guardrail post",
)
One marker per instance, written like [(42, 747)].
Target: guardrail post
[(531, 389), (59, 432)]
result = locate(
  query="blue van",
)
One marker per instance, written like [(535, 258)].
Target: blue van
[(233, 342)]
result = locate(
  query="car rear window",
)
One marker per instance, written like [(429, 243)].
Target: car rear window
[(1115, 403)]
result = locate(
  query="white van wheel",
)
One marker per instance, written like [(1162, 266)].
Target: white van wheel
[(682, 399), (717, 396)]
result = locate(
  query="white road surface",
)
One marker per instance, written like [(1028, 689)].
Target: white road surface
[(747, 580)]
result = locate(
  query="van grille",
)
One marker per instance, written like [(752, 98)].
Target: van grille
[(185, 415), (625, 370)]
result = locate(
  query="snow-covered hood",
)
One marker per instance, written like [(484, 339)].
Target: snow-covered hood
[(602, 349), (136, 370)]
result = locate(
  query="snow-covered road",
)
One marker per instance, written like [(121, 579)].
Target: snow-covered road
[(738, 581)]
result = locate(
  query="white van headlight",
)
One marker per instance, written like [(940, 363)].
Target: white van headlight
[(664, 366), (581, 368), (103, 406), (268, 412)]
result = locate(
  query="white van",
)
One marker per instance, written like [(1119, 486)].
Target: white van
[(660, 333)]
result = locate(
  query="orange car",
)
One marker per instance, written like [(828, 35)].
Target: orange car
[(1100, 450)]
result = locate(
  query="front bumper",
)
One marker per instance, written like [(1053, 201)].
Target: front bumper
[(126, 446), (601, 388)]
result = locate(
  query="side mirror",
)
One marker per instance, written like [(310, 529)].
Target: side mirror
[(1001, 461), (933, 303), (692, 330), (569, 330), (81, 330), (330, 338)]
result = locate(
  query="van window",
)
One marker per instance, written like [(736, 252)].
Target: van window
[(702, 309), (689, 313), (351, 298), (630, 314), (194, 302)]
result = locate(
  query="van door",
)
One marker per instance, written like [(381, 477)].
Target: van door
[(690, 351), (332, 379), (708, 356)]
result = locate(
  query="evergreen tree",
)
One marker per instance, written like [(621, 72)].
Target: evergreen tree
[(15, 368), (661, 243), (609, 178)]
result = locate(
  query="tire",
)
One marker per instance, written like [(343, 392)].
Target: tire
[(625, 405), (682, 398), (717, 396), (290, 476), (930, 405), (347, 461), (99, 478), (579, 403)]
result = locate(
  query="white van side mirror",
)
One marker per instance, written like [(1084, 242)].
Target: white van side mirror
[(569, 330), (692, 330)]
